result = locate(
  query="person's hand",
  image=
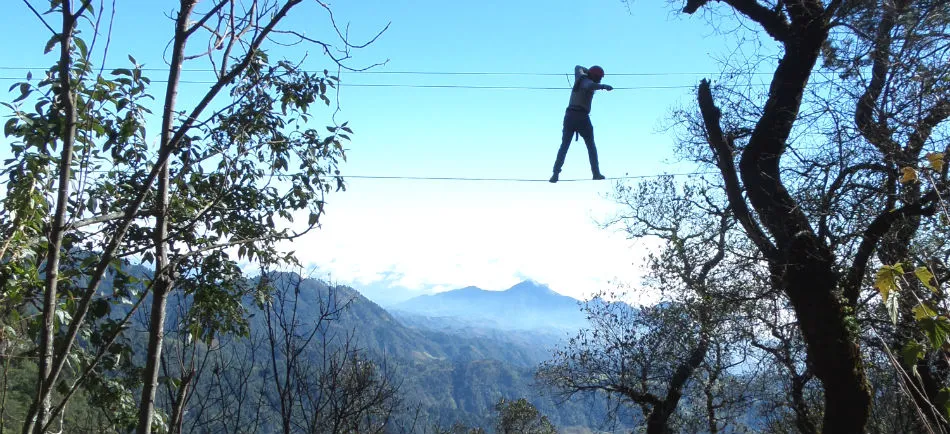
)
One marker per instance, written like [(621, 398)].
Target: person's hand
[(608, 87)]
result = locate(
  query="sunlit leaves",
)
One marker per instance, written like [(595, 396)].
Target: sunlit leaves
[(887, 280), (936, 160), (922, 311), (926, 278), (909, 175)]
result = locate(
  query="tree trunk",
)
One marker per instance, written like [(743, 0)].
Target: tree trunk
[(803, 266), (832, 346), (658, 421), (153, 361), (38, 416), (164, 274), (177, 419), (809, 278), (802, 418)]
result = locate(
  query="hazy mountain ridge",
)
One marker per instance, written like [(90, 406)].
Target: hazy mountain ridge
[(525, 306), (453, 368)]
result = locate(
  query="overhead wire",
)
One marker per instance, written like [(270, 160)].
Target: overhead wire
[(456, 73), (477, 179), (458, 86), (440, 73), (456, 178)]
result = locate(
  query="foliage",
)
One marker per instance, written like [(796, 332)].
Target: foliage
[(235, 172), (521, 417)]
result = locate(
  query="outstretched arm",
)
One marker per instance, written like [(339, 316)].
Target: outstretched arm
[(588, 84), (580, 76)]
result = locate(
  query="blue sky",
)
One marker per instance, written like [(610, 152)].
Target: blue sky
[(397, 238)]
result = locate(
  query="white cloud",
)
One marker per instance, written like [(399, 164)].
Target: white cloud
[(435, 237)]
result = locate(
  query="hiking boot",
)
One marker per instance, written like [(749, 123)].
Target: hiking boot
[(598, 176), (553, 178)]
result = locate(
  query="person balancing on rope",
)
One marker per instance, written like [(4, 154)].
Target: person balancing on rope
[(577, 117)]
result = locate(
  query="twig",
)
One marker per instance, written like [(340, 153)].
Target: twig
[(40, 17)]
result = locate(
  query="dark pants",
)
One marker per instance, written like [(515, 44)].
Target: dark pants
[(577, 122)]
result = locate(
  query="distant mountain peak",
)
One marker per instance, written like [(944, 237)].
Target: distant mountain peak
[(526, 305), (531, 286), (529, 283)]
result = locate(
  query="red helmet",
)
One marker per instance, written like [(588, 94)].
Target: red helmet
[(595, 73)]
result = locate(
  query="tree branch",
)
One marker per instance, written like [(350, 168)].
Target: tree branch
[(937, 114), (40, 16), (760, 161), (877, 133), (723, 151), (633, 395), (79, 12), (835, 185), (204, 19), (99, 355), (875, 231), (772, 21), (720, 253), (103, 219)]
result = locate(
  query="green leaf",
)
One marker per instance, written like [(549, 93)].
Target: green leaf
[(9, 127), (936, 329), (943, 400), (62, 387), (24, 92), (99, 308), (926, 277), (886, 279), (922, 311), (51, 43), (912, 352), (88, 261), (39, 106), (83, 50)]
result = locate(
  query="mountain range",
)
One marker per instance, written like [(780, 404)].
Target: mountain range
[(454, 354), (525, 306), (457, 362)]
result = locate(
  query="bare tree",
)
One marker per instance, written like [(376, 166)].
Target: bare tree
[(645, 357), (322, 382)]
